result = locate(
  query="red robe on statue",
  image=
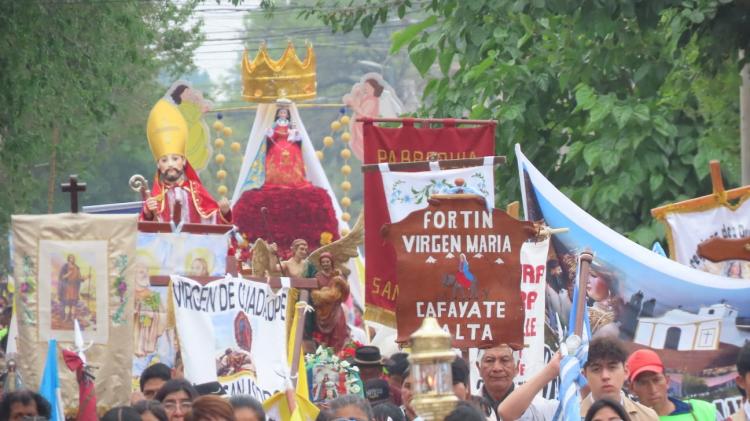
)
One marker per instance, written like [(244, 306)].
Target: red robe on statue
[(198, 206)]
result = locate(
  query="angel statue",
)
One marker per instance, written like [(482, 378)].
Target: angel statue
[(327, 325), (328, 264), (371, 97)]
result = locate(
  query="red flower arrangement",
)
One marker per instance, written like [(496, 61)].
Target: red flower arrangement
[(298, 212), (349, 349)]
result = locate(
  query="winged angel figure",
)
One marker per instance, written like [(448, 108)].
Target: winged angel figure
[(328, 265), (325, 260)]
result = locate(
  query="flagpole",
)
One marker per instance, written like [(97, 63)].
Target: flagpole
[(586, 257)]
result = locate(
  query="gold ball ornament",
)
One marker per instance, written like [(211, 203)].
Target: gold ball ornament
[(221, 174), (335, 126), (345, 119), (346, 153), (220, 158), (346, 137), (218, 125), (228, 131), (346, 186), (346, 202), (346, 170), (344, 232), (328, 141), (222, 190), (320, 155), (346, 217), (235, 146), (219, 142)]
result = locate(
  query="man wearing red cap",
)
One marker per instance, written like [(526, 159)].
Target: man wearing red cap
[(650, 384)]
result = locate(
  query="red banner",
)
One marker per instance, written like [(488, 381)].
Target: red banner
[(404, 144)]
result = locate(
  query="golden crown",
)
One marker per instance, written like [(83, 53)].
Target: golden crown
[(265, 79)]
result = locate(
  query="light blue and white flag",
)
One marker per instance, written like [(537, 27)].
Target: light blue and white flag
[(50, 387)]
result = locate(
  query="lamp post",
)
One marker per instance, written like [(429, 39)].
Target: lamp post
[(431, 360)]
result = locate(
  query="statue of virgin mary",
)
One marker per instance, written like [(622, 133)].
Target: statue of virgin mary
[(281, 173)]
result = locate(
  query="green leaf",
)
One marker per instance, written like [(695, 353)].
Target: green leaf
[(479, 69), (591, 155), (406, 35), (585, 97), (401, 11), (511, 112), (665, 128), (641, 112), (622, 115), (573, 151), (655, 181), (602, 109), (367, 24), (445, 59), (423, 58)]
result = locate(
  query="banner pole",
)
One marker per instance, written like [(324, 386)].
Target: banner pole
[(452, 121), (444, 164), (299, 309), (586, 258)]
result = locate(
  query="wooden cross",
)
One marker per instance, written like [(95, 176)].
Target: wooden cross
[(73, 187)]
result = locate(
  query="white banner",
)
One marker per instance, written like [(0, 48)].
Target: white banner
[(533, 286), (406, 192), (689, 229), (234, 331)]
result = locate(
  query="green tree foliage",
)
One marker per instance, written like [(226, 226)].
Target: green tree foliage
[(77, 79), (621, 103)]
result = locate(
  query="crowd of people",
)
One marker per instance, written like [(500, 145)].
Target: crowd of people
[(620, 387)]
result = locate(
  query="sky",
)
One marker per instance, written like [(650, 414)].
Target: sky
[(222, 24)]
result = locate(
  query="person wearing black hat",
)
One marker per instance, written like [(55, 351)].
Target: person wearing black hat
[(370, 363)]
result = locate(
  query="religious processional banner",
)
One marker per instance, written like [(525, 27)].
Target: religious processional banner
[(462, 265), (404, 144), (695, 320), (70, 267), (687, 228), (232, 331), (534, 354), (166, 253)]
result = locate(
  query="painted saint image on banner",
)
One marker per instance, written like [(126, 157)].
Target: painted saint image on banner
[(73, 301), (234, 357), (73, 286)]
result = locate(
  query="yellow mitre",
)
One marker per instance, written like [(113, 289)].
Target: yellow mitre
[(265, 79), (166, 129)]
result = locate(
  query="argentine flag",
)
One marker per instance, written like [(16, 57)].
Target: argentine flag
[(50, 387)]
